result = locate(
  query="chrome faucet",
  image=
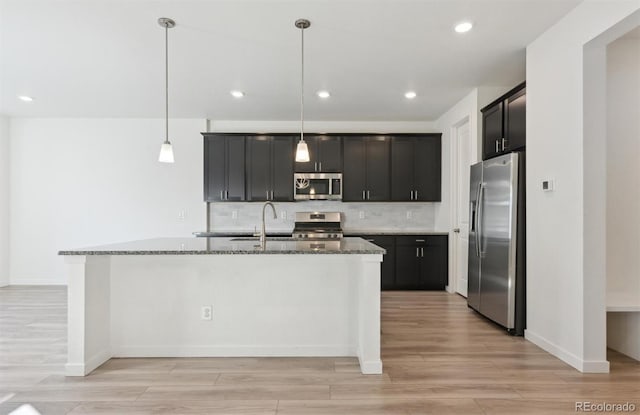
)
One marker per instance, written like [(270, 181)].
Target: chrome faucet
[(263, 233)]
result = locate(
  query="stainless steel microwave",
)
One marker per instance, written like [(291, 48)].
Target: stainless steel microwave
[(317, 186)]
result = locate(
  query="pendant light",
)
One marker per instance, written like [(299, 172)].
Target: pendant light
[(302, 150), (166, 151)]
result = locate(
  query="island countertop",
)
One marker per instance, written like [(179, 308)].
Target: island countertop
[(230, 246)]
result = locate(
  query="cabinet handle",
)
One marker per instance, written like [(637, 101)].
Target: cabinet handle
[(221, 194), (267, 194), (226, 195), (416, 195), (320, 166), (419, 240), (363, 195), (503, 141), (422, 252), (417, 252), (411, 197), (368, 194), (315, 166), (497, 146), (272, 195)]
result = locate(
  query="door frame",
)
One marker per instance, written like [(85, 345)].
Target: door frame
[(454, 183)]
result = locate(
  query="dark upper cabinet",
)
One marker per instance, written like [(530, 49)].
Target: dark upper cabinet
[(416, 168), (224, 168), (325, 154), (504, 124), (366, 169), (421, 262), (269, 165)]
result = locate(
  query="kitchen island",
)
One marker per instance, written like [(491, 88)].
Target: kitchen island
[(151, 298)]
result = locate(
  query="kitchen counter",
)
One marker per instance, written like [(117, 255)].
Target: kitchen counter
[(231, 246), (347, 232), (223, 297)]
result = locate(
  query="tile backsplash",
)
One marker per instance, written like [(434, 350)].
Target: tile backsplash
[(238, 216)]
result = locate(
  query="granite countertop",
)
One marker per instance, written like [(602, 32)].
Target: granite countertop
[(230, 246), (347, 232)]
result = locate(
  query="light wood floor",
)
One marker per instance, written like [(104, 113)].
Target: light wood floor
[(439, 358)]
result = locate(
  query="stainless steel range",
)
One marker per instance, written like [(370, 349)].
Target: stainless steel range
[(318, 226)]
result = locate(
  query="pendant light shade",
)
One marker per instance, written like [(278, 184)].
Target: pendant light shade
[(302, 150), (166, 151)]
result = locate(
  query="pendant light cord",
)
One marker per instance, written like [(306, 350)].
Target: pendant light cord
[(302, 88), (166, 81)]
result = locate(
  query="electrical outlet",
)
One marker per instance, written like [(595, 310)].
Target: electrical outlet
[(409, 214), (182, 214), (361, 215), (234, 214), (206, 312), (283, 215)]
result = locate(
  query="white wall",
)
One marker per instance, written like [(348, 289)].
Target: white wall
[(565, 299), (81, 182), (4, 201), (623, 166)]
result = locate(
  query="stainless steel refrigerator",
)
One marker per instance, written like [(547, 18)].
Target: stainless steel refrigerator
[(497, 241)]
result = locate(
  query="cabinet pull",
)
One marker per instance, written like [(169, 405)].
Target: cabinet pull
[(497, 146), (416, 195), (368, 194), (411, 197), (419, 240), (320, 166), (272, 195), (422, 252), (221, 194), (315, 166), (417, 252), (503, 141), (226, 195), (267, 194), (363, 195)]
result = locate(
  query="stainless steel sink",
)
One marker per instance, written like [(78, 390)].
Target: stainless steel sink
[(269, 238)]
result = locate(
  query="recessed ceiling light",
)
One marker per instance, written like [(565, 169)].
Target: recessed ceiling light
[(25, 98), (237, 94), (324, 94), (410, 95), (463, 27)]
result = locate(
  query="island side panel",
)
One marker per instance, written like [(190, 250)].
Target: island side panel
[(89, 314), (263, 305), (369, 315)]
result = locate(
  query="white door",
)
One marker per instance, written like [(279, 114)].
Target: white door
[(462, 163)]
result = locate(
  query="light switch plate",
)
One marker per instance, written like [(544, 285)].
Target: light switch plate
[(547, 185)]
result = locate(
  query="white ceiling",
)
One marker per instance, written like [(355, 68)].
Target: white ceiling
[(104, 58)]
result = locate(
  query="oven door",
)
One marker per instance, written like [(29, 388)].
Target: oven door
[(317, 186)]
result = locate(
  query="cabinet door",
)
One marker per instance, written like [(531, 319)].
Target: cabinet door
[(516, 121), (311, 165), (354, 169), (428, 176), (492, 132), (378, 169), (282, 168), (387, 269), (329, 154), (407, 265), (214, 169), (402, 168), (235, 168), (433, 263), (258, 159)]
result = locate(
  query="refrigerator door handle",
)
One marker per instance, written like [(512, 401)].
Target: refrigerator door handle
[(474, 225), (479, 220)]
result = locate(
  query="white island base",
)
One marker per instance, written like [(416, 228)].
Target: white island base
[(263, 305)]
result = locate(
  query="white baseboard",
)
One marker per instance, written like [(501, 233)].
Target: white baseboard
[(585, 366), (233, 351), (83, 369), (36, 281), (370, 367)]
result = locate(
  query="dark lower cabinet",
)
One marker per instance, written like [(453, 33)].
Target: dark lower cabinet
[(387, 271), (416, 262), (421, 262)]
